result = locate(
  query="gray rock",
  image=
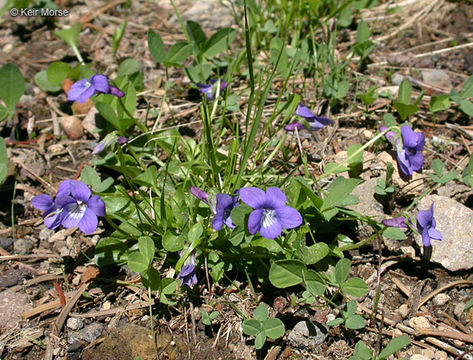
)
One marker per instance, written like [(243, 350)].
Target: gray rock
[(75, 323), (23, 246), (12, 305), (455, 251), (87, 334), (437, 78), (45, 234), (210, 14), (307, 335), (6, 243), (368, 205)]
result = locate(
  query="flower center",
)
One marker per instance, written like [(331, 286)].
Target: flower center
[(87, 84), (268, 218), (411, 151), (76, 210)]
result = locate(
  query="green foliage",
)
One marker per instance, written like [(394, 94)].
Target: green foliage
[(3, 161), (13, 87), (261, 327), (403, 103), (439, 176), (117, 37), (208, 318)]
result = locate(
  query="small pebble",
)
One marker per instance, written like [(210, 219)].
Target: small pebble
[(72, 127), (419, 357), (459, 308), (409, 251), (75, 323), (7, 48), (403, 310), (419, 322), (441, 299), (428, 353), (367, 134), (440, 355)]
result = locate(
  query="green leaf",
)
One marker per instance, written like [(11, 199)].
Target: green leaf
[(178, 53), (274, 328), (270, 245), (90, 177), (128, 67), (105, 185), (195, 32), (467, 107), (335, 322), (137, 262), (355, 287), (71, 35), (12, 86), (362, 352), (117, 37), (467, 175), (314, 253), (468, 304), (168, 286), (151, 279), (219, 42), (108, 114), (314, 283), (41, 79), (57, 72), (342, 269), (394, 233), (172, 242), (439, 103), (195, 232), (148, 178), (156, 47), (147, 248), (467, 88), (438, 167), (405, 110), (3, 112), (110, 251), (240, 215), (355, 322), (260, 340), (362, 32), (338, 192), (394, 345), (251, 327), (115, 203), (3, 161), (334, 168), (404, 93), (261, 313), (286, 273)]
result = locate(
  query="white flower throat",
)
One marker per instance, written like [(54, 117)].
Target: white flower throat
[(76, 210), (268, 218)]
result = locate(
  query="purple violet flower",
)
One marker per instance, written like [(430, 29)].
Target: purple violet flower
[(84, 89), (315, 122), (52, 212), (270, 214), (390, 135), (187, 274), (199, 194), (208, 90), (105, 143), (426, 224), (79, 208), (116, 92), (399, 222), (223, 211), (294, 125), (410, 157)]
